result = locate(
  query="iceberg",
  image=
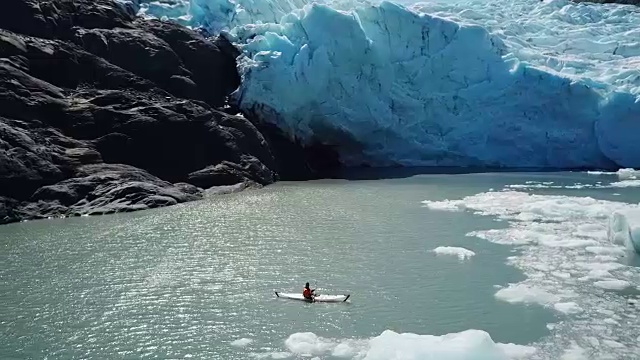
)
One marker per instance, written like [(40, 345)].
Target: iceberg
[(624, 229), (548, 84)]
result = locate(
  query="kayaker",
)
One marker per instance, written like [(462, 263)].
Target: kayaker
[(307, 292)]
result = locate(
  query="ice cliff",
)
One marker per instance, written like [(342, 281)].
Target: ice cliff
[(522, 83)]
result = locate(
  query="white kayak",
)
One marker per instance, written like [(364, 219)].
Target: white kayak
[(317, 298)]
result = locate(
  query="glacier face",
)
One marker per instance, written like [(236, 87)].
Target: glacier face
[(522, 83)]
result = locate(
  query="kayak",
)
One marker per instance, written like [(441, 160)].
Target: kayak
[(317, 298)]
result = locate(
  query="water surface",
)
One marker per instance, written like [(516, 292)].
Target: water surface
[(186, 281)]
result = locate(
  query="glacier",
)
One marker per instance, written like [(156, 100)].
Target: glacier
[(523, 83)]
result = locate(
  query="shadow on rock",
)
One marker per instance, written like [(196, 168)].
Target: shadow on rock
[(103, 112)]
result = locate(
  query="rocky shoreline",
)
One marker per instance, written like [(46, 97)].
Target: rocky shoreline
[(103, 112)]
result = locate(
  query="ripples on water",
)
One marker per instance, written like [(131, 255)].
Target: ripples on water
[(188, 280)]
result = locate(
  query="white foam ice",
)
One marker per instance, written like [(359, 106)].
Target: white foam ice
[(467, 345), (570, 264), (424, 84), (460, 252)]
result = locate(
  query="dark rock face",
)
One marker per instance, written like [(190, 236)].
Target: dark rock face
[(295, 160), (102, 112), (107, 188), (56, 18)]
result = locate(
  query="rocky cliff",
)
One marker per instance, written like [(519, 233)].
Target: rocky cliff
[(101, 112)]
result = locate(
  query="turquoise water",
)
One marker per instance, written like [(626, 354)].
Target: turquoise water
[(188, 280)]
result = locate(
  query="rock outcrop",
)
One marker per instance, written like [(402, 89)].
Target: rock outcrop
[(104, 112)]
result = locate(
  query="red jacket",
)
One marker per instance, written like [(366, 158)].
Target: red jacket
[(306, 292)]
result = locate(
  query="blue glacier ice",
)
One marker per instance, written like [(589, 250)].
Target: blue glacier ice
[(521, 83)]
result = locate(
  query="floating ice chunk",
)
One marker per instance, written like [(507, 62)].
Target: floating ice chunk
[(549, 186), (558, 275), (624, 228), (622, 174), (575, 352), (521, 293), (625, 184), (446, 205), (628, 173), (612, 344), (561, 274), (280, 355), (606, 312), (569, 243), (308, 343), (467, 345), (514, 351), (604, 258), (507, 236), (568, 308), (516, 205), (461, 253), (611, 321), (605, 250), (241, 342), (598, 270), (612, 284)]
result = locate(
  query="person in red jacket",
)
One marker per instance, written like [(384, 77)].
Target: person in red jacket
[(308, 292)]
